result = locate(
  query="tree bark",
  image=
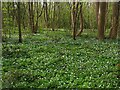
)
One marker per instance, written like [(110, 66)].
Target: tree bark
[(37, 18), (101, 20), (74, 18), (81, 21), (31, 16), (119, 20), (19, 22), (115, 21), (0, 22), (53, 17), (46, 16)]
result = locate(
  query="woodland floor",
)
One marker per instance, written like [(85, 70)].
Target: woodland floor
[(54, 60)]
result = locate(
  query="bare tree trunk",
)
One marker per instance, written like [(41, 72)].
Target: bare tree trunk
[(58, 15), (115, 21), (81, 21), (30, 21), (46, 16), (53, 18), (37, 17), (0, 21), (101, 20), (119, 20), (31, 15), (8, 11), (19, 22), (32, 18), (74, 18)]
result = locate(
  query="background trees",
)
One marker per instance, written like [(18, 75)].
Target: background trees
[(54, 16)]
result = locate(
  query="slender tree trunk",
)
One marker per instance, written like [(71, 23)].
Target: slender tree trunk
[(8, 10), (73, 16), (101, 20), (30, 21), (31, 15), (23, 18), (119, 21), (37, 17), (115, 21), (81, 21), (19, 22), (0, 21), (57, 15), (53, 18), (36, 23), (46, 16)]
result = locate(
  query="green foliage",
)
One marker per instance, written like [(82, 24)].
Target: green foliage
[(55, 60), (62, 17)]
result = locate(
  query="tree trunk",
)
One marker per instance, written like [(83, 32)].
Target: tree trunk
[(37, 17), (46, 16), (30, 21), (31, 16), (19, 22), (101, 20), (81, 21), (115, 21), (73, 16), (8, 11), (0, 23), (53, 17), (119, 20)]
